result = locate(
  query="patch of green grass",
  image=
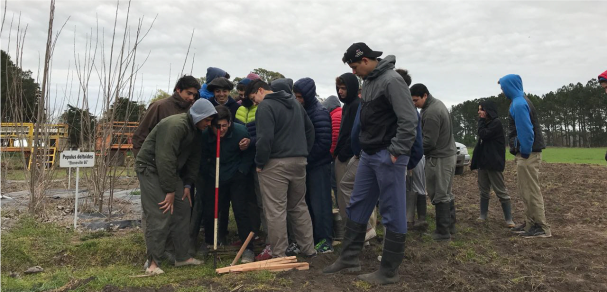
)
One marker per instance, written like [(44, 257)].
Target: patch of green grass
[(94, 235), (31, 243), (362, 285), (567, 155), (136, 193)]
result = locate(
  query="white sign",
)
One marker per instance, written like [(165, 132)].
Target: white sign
[(77, 159)]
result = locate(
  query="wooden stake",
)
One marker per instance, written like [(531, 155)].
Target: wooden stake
[(244, 246), (265, 263), (274, 267)]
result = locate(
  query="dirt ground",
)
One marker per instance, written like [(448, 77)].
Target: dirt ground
[(482, 256)]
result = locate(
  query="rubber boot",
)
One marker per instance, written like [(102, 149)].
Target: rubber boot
[(507, 208), (411, 204), (443, 220), (352, 244), (421, 223), (484, 209), (392, 257), (453, 220)]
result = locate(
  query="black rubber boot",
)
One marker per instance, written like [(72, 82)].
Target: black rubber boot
[(507, 208), (484, 209), (453, 220), (411, 204), (352, 244), (421, 223), (392, 257), (443, 220)]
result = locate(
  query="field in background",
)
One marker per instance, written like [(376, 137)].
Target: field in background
[(567, 155)]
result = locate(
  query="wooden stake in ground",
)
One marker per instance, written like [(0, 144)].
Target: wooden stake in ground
[(272, 265), (244, 246)]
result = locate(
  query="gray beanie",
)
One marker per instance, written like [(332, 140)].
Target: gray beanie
[(202, 109)]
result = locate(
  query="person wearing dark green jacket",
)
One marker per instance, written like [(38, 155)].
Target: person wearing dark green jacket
[(235, 168), (167, 166)]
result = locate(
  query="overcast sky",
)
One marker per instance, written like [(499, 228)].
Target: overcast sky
[(458, 49)]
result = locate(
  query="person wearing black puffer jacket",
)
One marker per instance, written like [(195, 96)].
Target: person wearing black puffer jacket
[(318, 170), (489, 158), (347, 91)]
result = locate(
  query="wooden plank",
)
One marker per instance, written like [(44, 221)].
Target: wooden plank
[(274, 267), (244, 246), (260, 263)]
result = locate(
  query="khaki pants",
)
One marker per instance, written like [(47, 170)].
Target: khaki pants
[(342, 199), (283, 185), (492, 179), (528, 187), (160, 226), (346, 185), (439, 178)]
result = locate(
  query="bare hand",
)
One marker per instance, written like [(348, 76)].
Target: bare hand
[(258, 169), (244, 144), (167, 204), (186, 193), (393, 158)]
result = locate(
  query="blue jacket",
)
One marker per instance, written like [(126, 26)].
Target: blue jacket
[(212, 73), (417, 150), (525, 133), (321, 119)]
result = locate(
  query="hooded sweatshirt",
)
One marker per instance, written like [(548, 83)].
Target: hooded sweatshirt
[(490, 150), (232, 160), (388, 117), (283, 128), (333, 105), (285, 84), (157, 111), (246, 115), (437, 129), (212, 73), (343, 149), (171, 150), (321, 119), (525, 132)]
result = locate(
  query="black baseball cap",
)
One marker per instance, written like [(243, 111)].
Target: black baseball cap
[(357, 51)]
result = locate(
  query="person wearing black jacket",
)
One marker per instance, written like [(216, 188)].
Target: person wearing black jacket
[(347, 91), (489, 158)]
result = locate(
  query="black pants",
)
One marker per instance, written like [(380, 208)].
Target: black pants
[(233, 191)]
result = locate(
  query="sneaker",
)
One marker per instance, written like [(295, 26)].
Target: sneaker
[(292, 249), (536, 232), (311, 256), (247, 257), (323, 246), (519, 228), (266, 254)]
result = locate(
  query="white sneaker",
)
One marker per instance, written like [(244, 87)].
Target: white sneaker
[(247, 256)]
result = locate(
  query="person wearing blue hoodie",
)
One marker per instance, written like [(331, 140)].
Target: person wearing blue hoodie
[(212, 73), (526, 143), (318, 170)]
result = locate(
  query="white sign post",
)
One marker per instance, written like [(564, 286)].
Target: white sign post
[(76, 159)]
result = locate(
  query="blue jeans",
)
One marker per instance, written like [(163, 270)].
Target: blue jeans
[(378, 178), (318, 198)]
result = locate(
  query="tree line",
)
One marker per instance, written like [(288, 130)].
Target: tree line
[(574, 115)]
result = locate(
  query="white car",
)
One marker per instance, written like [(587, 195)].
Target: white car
[(463, 158)]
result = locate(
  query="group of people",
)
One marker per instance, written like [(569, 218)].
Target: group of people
[(281, 152)]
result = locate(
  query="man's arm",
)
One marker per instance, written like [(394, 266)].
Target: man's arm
[(192, 166), (149, 121), (167, 150), (309, 127), (398, 93), (247, 157), (490, 130), (431, 131), (265, 124), (524, 128)]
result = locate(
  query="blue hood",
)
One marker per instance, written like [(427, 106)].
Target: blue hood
[(213, 73), (512, 85), (204, 93), (307, 87)]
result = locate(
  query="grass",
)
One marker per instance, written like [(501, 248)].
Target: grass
[(568, 155), (94, 260)]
